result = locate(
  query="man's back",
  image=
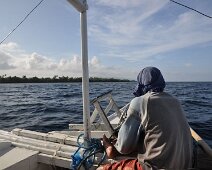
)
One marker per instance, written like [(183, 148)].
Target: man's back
[(167, 142)]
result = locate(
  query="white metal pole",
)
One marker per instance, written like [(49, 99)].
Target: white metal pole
[(85, 76)]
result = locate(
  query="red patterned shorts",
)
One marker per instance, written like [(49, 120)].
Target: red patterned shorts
[(127, 164)]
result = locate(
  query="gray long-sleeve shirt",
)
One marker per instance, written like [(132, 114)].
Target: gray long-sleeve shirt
[(167, 141)]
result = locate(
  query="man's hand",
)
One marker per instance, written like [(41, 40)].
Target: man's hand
[(109, 148)]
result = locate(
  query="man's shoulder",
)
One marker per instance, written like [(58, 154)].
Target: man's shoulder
[(163, 96), (160, 94), (137, 99), (136, 103)]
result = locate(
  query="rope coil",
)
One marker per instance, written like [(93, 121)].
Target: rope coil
[(86, 155)]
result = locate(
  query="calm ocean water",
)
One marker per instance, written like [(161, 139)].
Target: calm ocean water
[(48, 107)]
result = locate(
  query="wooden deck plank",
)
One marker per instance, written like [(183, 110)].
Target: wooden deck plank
[(94, 126), (94, 134)]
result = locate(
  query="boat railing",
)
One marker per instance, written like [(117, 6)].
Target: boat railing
[(201, 143), (103, 113)]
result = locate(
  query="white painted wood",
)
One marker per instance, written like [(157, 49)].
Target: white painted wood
[(94, 134), (94, 126), (104, 118), (37, 145), (114, 118), (51, 137), (116, 108), (80, 5), (85, 76), (45, 150), (102, 97), (109, 106), (93, 116)]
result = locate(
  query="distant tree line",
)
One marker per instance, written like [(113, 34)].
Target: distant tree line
[(54, 79)]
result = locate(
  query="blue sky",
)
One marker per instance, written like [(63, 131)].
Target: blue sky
[(124, 36)]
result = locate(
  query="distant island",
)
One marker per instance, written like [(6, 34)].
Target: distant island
[(54, 79)]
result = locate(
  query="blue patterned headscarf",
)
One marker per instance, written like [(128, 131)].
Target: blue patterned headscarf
[(149, 79)]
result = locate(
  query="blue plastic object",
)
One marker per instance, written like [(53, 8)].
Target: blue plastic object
[(86, 155)]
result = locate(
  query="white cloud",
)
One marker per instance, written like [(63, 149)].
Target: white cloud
[(95, 62), (121, 26), (72, 64), (126, 4), (36, 61), (5, 61), (188, 64), (9, 46), (34, 64), (133, 26), (119, 3)]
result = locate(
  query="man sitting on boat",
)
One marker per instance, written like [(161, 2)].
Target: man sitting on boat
[(156, 128)]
